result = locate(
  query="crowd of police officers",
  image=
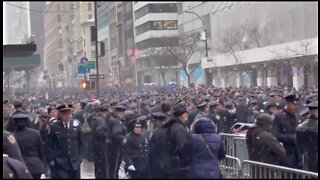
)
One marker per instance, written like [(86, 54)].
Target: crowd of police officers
[(148, 130)]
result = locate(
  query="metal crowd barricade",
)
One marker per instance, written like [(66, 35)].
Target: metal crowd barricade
[(230, 167), (258, 170), (235, 145)]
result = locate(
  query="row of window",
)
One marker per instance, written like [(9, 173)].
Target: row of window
[(156, 8), (157, 25)]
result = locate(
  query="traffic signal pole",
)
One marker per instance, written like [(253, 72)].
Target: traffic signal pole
[(97, 62)]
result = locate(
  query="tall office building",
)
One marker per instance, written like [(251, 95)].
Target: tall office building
[(154, 22)]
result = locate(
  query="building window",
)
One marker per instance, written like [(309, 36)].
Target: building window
[(71, 17), (58, 7), (89, 6), (170, 25), (157, 25), (85, 54), (142, 11), (93, 43), (84, 42), (90, 16), (71, 6)]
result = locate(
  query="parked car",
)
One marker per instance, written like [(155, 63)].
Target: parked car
[(241, 128)]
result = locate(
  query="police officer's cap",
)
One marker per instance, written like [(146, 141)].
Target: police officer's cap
[(134, 123), (292, 98), (313, 105), (123, 103), (17, 103), (310, 96), (142, 118), (104, 108), (120, 108), (263, 119), (254, 102), (65, 107), (113, 103), (179, 109), (145, 103), (133, 106), (159, 115), (304, 112), (272, 94), (271, 103), (213, 104), (202, 104), (228, 105), (20, 115)]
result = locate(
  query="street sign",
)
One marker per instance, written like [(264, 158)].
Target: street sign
[(91, 65), (94, 76), (84, 61), (82, 70)]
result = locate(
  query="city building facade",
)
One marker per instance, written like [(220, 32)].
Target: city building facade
[(155, 23), (264, 44)]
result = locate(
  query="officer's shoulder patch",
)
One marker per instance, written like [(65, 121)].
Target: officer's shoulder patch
[(11, 139), (75, 123)]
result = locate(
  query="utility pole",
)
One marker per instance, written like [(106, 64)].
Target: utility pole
[(97, 59)]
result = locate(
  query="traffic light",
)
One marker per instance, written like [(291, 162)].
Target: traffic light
[(85, 84)]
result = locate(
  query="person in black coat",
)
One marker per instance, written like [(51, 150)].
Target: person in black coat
[(307, 138), (99, 135), (159, 153), (66, 145), (262, 145), (117, 131), (284, 128), (14, 169), (178, 135), (80, 114), (30, 144), (136, 151), (11, 147)]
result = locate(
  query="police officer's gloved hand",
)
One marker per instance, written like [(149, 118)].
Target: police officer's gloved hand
[(131, 168)]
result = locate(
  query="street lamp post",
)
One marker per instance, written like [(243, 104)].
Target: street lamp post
[(205, 31), (96, 43)]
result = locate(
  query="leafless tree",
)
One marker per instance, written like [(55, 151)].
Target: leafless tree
[(187, 45), (158, 55), (231, 42)]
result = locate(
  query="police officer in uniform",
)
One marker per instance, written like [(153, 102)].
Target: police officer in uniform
[(11, 147), (117, 131), (136, 151), (30, 144), (99, 134), (284, 128), (307, 138), (159, 153), (66, 144), (14, 169), (177, 137)]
